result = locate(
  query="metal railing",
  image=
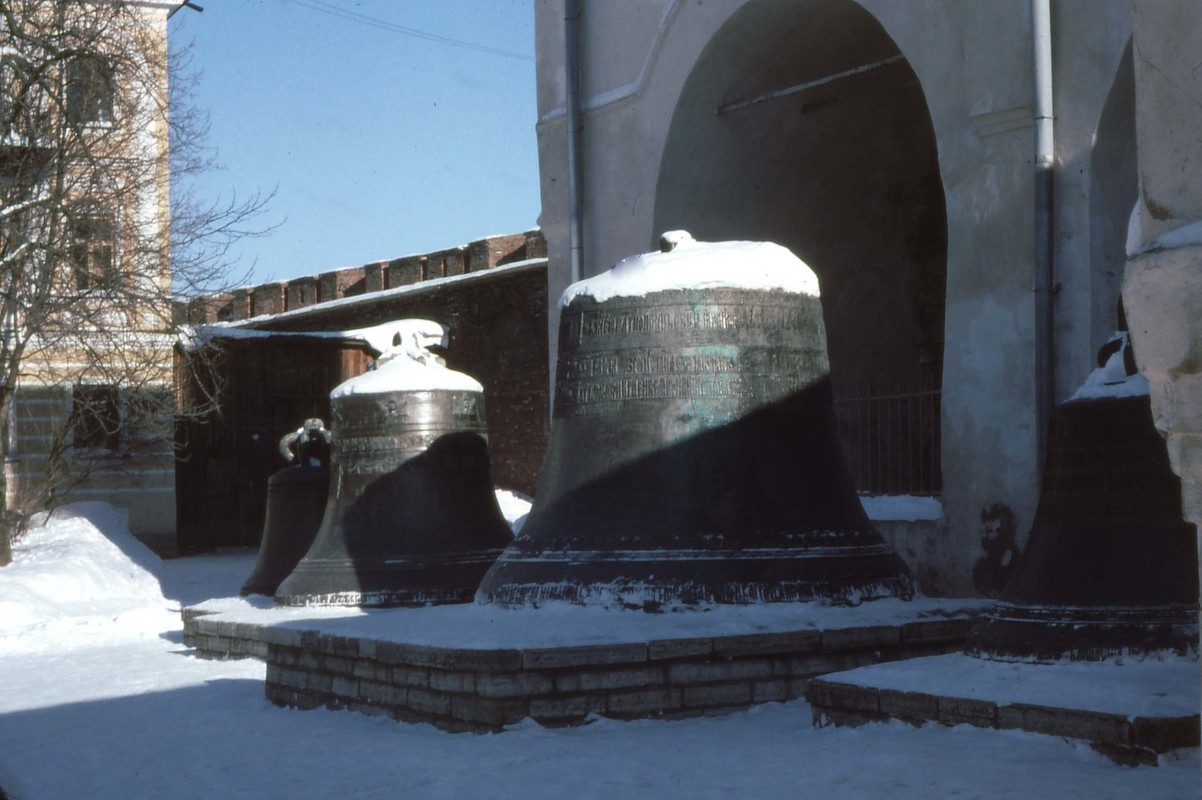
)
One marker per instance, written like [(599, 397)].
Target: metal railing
[(891, 438)]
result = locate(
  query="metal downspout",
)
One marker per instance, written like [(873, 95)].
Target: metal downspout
[(1044, 275), (571, 30)]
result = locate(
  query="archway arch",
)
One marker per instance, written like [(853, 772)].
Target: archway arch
[(803, 123)]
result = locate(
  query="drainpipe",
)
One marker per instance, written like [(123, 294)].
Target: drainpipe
[(571, 57), (1044, 276)]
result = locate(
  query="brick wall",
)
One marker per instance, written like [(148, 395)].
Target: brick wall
[(338, 283), (276, 297)]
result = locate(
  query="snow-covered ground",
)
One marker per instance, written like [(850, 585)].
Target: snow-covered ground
[(99, 699)]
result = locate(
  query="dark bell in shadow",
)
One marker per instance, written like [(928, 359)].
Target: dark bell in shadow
[(296, 502), (1110, 566)]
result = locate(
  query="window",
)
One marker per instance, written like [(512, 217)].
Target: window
[(91, 250), (95, 420), (149, 415), (89, 88)]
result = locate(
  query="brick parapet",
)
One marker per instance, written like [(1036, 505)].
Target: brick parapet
[(373, 277), (268, 298), (276, 297), (405, 271), (301, 292), (340, 283), (240, 304), (446, 263), (486, 689), (494, 251)]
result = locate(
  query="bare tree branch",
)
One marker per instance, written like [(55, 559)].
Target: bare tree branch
[(95, 242)]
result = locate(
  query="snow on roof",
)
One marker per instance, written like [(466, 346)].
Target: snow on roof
[(383, 294), (377, 337), (690, 264), (194, 337)]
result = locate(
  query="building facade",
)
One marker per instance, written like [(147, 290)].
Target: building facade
[(84, 163)]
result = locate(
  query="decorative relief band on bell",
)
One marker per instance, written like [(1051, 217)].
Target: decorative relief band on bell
[(593, 397), (636, 361), (373, 446), (385, 411), (757, 375), (790, 315)]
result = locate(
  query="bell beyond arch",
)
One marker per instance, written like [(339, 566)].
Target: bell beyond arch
[(694, 457), (296, 502), (1110, 567), (411, 516)]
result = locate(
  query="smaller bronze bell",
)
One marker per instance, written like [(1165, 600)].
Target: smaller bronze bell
[(296, 501), (411, 516)]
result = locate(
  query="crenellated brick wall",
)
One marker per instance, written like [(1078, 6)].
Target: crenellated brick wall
[(279, 296)]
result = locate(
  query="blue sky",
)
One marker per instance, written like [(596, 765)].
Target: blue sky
[(379, 143)]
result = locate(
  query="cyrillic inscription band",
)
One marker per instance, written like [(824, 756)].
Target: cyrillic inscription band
[(682, 318), (743, 375)]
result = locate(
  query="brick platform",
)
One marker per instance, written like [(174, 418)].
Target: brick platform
[(332, 662), (1129, 713)]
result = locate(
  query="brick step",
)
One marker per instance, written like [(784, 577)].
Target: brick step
[(1130, 721), (487, 688)]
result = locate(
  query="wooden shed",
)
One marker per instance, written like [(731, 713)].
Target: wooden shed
[(252, 389)]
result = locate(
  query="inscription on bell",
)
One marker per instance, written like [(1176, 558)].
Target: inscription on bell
[(590, 379), (711, 318), (373, 445), (647, 362), (574, 396)]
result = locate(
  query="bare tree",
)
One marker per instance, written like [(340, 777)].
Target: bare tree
[(90, 258)]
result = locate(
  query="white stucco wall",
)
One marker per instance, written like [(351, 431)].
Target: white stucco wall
[(973, 61)]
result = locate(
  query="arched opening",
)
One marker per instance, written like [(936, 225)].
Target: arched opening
[(802, 123), (1113, 190)]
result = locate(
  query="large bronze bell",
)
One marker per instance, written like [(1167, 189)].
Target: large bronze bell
[(411, 516), (694, 457), (1110, 567), (296, 502)]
